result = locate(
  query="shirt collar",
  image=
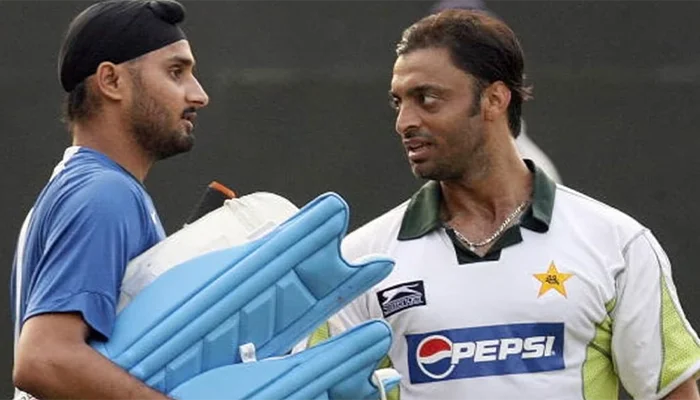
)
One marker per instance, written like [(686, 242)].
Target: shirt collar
[(423, 212)]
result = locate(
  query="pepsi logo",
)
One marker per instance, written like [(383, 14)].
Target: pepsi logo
[(485, 351), (434, 356)]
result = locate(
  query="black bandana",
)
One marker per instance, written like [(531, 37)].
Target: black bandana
[(116, 31)]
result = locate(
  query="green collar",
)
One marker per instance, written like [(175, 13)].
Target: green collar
[(423, 212)]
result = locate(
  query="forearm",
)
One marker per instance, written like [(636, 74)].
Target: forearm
[(79, 372), (687, 390)]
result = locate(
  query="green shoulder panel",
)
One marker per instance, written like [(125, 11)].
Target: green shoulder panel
[(598, 375), (681, 349)]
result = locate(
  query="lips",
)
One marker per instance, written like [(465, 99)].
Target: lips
[(189, 118), (417, 149)]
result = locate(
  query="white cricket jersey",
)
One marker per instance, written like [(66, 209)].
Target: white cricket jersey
[(578, 298)]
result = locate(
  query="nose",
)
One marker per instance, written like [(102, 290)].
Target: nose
[(407, 120), (196, 95)]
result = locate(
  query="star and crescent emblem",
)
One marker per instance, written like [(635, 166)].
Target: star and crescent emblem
[(552, 280)]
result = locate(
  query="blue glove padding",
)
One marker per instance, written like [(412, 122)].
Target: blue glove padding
[(271, 292), (339, 368)]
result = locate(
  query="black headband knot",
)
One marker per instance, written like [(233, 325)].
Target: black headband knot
[(116, 31)]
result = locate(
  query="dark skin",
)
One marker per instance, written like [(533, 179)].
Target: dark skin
[(463, 141), (165, 75), (53, 359)]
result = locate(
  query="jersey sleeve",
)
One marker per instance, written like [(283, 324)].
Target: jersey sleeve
[(90, 235), (654, 347)]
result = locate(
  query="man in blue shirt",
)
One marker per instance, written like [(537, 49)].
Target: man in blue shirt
[(132, 100)]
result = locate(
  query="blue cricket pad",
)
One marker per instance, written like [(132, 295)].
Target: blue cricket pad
[(339, 368), (271, 292)]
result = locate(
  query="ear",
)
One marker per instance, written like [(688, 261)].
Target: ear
[(495, 100), (110, 80)]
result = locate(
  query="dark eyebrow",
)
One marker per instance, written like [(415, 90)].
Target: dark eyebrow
[(425, 88), (188, 62), (419, 89)]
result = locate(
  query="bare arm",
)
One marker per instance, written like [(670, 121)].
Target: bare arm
[(687, 390), (53, 360)]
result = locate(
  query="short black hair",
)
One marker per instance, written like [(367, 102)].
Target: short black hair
[(80, 104), (480, 45)]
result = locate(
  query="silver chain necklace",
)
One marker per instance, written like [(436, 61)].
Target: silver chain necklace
[(472, 246)]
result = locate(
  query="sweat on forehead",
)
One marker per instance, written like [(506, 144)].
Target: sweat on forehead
[(116, 31)]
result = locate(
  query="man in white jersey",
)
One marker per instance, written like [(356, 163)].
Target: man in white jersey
[(507, 285), (127, 68)]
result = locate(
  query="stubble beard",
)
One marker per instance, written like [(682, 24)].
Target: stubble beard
[(466, 159), (152, 128)]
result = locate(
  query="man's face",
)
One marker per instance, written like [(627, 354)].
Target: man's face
[(165, 99), (438, 114)]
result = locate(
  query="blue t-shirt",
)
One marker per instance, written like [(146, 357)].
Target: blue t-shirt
[(89, 221)]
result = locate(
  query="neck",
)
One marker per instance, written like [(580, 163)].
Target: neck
[(502, 183), (109, 137)]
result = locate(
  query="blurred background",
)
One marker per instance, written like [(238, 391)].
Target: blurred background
[(299, 107)]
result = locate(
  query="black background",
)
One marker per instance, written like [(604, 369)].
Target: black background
[(299, 107)]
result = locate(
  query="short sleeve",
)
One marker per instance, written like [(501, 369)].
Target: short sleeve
[(89, 236), (654, 347)]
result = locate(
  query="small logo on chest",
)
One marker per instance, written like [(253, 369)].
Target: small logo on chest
[(401, 297), (552, 279)]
